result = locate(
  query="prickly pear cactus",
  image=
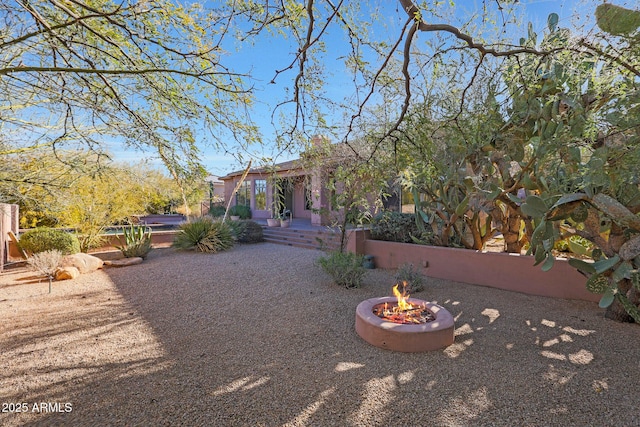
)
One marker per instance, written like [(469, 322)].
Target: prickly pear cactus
[(617, 20), (597, 284), (580, 214), (631, 309)]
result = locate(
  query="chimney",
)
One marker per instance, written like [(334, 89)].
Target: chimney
[(319, 140)]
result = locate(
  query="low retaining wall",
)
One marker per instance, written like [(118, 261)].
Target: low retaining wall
[(498, 270), (159, 239)]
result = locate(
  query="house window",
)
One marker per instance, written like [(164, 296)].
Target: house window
[(260, 188), (243, 196)]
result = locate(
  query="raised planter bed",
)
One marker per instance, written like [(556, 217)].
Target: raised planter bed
[(498, 270)]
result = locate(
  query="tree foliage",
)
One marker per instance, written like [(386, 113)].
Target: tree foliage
[(89, 203), (81, 75)]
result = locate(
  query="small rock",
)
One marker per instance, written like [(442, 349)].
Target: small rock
[(66, 273)]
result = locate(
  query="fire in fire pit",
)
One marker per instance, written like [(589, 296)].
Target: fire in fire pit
[(402, 311)]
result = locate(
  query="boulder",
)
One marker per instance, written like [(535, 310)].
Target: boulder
[(66, 273), (85, 263)]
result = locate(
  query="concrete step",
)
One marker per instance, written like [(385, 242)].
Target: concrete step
[(303, 243), (311, 239)]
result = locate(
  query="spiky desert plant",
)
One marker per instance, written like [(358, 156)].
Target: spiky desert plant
[(204, 235), (46, 263), (137, 241)]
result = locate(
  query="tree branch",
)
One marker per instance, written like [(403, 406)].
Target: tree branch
[(414, 13)]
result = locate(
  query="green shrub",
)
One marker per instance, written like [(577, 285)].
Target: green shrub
[(217, 211), (345, 268), (394, 227), (204, 235), (137, 241), (411, 277), (247, 231), (244, 212), (49, 239)]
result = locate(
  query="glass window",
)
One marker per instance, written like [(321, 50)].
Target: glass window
[(260, 188), (243, 196)]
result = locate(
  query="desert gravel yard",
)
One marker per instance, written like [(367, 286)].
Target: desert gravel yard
[(259, 336)]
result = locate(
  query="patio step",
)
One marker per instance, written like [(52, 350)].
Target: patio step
[(301, 238)]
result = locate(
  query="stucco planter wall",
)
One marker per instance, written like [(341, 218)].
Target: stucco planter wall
[(162, 219), (498, 270), (158, 239)]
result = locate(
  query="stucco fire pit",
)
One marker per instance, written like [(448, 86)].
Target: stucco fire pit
[(436, 333)]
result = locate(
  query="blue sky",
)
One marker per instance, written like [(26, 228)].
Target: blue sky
[(270, 54)]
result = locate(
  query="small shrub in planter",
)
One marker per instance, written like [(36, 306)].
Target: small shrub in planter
[(204, 235), (410, 276), (49, 239), (247, 231), (345, 268), (217, 211), (244, 212), (394, 227)]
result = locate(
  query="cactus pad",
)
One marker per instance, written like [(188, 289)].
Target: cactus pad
[(629, 307), (597, 284), (580, 214)]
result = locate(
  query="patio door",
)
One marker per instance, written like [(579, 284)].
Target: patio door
[(284, 195), (288, 198)]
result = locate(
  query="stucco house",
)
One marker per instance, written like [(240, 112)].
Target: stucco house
[(300, 191), (304, 194)]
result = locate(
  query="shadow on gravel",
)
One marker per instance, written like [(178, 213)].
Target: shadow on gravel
[(259, 336)]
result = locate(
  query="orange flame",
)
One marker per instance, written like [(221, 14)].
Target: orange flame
[(403, 305), (403, 312)]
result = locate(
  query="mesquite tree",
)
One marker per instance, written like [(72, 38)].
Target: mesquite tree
[(83, 74)]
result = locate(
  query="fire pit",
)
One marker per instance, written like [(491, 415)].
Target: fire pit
[(405, 324)]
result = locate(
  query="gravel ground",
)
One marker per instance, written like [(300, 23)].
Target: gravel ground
[(259, 336)]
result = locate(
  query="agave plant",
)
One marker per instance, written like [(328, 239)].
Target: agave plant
[(137, 241), (204, 235)]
